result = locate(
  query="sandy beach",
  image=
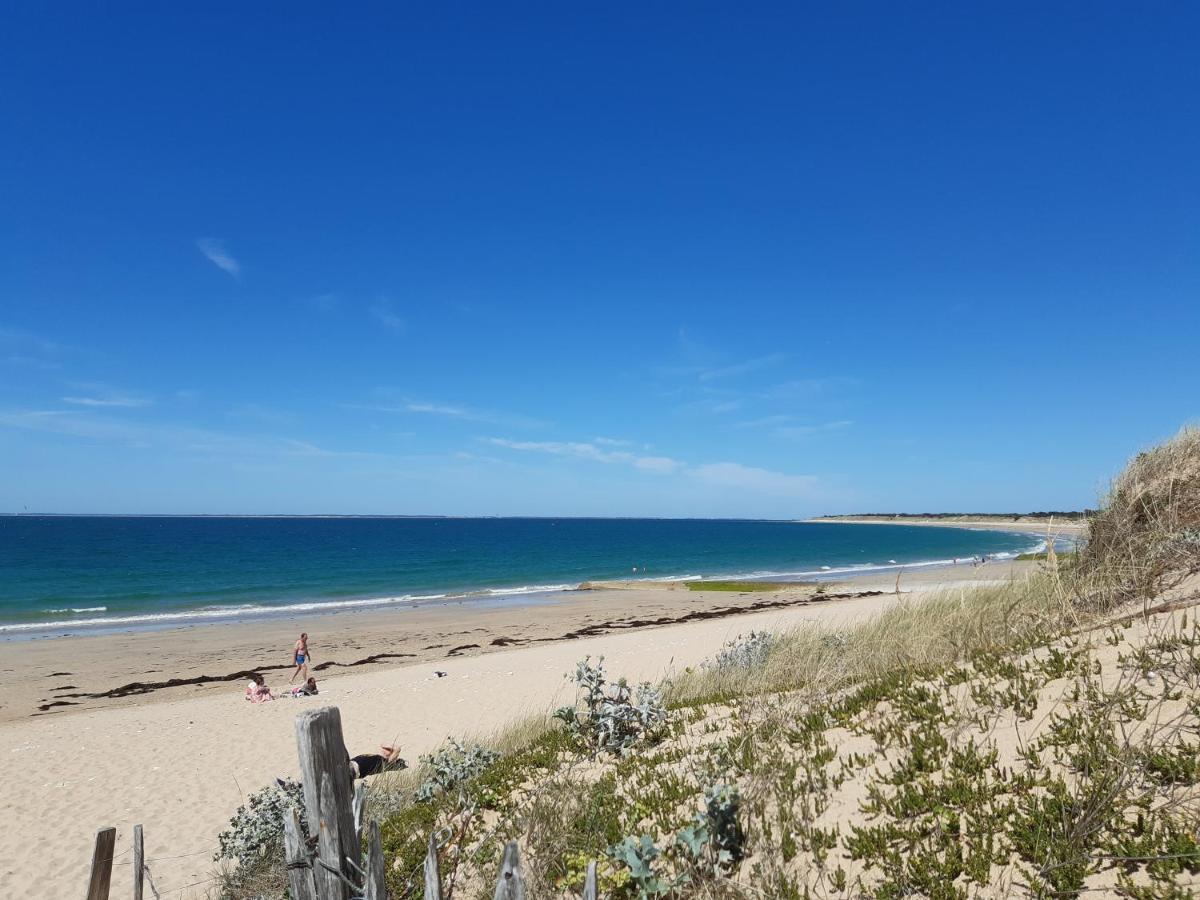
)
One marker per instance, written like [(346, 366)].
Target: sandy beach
[(125, 747), (1021, 524)]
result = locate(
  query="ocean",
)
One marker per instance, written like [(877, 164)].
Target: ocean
[(78, 573)]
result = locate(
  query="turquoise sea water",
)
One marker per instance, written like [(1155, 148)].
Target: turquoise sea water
[(73, 573)]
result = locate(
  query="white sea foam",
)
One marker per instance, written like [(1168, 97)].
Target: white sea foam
[(209, 613), (530, 589), (81, 609)]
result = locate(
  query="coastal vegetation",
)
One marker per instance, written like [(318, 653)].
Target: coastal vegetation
[(1039, 737)]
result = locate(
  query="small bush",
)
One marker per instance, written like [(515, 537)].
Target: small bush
[(743, 652), (452, 766), (256, 829), (608, 715)]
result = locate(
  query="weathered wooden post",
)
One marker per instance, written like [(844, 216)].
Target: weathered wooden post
[(376, 886), (299, 862), (433, 874), (509, 885), (328, 792), (589, 882), (102, 860), (139, 863)]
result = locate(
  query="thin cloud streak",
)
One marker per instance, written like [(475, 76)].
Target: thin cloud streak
[(744, 367), (449, 411), (386, 316), (89, 426), (803, 431), (124, 401), (755, 480), (586, 450), (731, 475), (214, 250)]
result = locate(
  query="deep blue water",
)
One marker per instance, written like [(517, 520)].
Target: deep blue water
[(109, 571)]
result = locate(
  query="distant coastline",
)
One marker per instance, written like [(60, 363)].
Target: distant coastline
[(1072, 524)]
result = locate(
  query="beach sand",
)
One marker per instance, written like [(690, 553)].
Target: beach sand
[(180, 759)]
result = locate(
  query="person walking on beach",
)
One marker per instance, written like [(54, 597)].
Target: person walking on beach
[(300, 657)]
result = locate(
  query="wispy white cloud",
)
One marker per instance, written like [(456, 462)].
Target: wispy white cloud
[(806, 388), (259, 413), (93, 426), (590, 451), (449, 411), (387, 316), (100, 396), (16, 337), (612, 442), (732, 475), (772, 421), (325, 302), (663, 465), (30, 351), (305, 448), (803, 431), (754, 480), (214, 250), (743, 368)]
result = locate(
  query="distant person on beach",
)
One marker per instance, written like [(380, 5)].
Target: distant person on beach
[(257, 690), (308, 689), (373, 763), (300, 657)]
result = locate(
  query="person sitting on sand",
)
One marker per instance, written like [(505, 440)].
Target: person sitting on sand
[(300, 657), (372, 763), (308, 689), (257, 690)]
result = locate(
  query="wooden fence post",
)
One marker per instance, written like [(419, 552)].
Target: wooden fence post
[(589, 883), (376, 886), (509, 885), (102, 860), (328, 793), (299, 863), (433, 874), (139, 863)]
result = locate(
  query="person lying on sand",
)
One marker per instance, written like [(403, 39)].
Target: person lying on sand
[(373, 763), (257, 690), (308, 689)]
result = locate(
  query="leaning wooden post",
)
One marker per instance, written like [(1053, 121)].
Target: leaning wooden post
[(299, 861), (509, 885), (433, 874), (589, 882), (139, 863), (328, 792), (376, 886), (102, 860)]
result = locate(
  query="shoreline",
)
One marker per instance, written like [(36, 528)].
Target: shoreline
[(62, 675), (528, 594), (180, 759)]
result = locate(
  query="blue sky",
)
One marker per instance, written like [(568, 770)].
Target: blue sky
[(563, 259)]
